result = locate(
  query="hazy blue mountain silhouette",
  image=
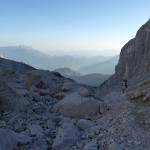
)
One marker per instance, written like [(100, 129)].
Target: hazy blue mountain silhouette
[(105, 67), (94, 79), (41, 60)]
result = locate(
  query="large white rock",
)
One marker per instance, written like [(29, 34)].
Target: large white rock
[(74, 105), (84, 124)]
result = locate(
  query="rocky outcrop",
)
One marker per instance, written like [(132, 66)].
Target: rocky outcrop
[(140, 92), (10, 99), (74, 105), (134, 57)]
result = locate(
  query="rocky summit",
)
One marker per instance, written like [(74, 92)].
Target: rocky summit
[(42, 110)]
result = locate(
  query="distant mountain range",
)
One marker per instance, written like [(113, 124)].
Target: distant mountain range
[(94, 79), (27, 55), (105, 67), (64, 64), (41, 60)]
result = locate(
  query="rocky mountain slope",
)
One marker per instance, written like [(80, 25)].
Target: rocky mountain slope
[(31, 104), (41, 110), (134, 62)]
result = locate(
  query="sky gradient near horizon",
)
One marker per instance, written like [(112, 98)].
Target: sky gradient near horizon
[(71, 24)]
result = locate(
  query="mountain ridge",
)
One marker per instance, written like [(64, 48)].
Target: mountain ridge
[(134, 62), (42, 60)]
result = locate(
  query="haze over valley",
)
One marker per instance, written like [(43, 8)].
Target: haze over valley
[(95, 69)]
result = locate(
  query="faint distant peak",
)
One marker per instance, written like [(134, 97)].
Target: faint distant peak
[(24, 47)]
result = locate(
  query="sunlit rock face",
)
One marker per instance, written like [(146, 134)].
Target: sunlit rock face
[(134, 57)]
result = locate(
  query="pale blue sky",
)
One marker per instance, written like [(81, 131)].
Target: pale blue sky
[(71, 24)]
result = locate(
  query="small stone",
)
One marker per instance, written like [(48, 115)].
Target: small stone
[(74, 148), (91, 135), (23, 139), (96, 130), (80, 145), (2, 124), (74, 121), (19, 128), (23, 147), (34, 129), (147, 123), (49, 140), (40, 144), (40, 136), (84, 92), (84, 124), (115, 146), (92, 145)]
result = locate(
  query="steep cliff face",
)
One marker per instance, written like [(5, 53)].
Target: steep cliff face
[(134, 57)]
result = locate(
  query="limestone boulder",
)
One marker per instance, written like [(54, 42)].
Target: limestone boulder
[(92, 145), (84, 124), (10, 99), (74, 105), (43, 82)]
